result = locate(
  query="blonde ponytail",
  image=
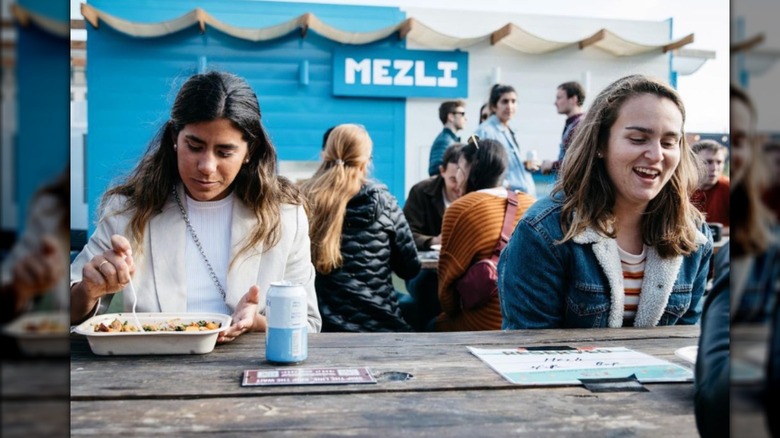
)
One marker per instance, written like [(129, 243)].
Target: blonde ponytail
[(337, 180)]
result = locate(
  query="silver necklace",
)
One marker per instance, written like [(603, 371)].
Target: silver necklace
[(200, 248)]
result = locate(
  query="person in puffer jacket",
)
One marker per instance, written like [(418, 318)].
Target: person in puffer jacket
[(359, 237)]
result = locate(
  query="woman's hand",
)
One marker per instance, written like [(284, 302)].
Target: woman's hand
[(245, 318), (37, 273), (109, 272)]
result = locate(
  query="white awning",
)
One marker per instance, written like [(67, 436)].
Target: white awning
[(509, 35), (756, 60), (24, 17), (688, 61), (519, 39)]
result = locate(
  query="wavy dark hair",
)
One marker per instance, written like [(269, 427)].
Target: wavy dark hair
[(670, 221), (751, 221), (488, 161), (207, 97), (60, 190)]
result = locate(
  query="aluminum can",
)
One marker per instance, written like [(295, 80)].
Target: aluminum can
[(531, 161), (286, 338)]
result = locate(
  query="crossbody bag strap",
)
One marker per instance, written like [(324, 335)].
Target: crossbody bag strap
[(507, 228)]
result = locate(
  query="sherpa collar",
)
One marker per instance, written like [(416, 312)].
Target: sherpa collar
[(660, 276)]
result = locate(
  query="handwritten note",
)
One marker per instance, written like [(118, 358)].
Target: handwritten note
[(525, 366)]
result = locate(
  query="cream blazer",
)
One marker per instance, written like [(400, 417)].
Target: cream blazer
[(43, 219), (159, 277)]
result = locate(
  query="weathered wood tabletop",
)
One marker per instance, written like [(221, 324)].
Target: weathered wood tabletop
[(35, 397), (749, 349), (428, 263), (450, 393)]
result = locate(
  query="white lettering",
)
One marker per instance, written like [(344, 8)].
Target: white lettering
[(351, 67), (447, 80), (378, 72), (403, 66), (420, 79), (381, 73)]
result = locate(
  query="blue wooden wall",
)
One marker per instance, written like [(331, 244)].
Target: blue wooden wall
[(43, 95), (133, 81)]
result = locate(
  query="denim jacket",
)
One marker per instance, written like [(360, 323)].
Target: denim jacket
[(517, 177), (579, 283), (759, 293)]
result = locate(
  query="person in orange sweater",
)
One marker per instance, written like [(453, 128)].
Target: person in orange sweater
[(470, 231)]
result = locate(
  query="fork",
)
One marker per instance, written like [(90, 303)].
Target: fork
[(135, 302)]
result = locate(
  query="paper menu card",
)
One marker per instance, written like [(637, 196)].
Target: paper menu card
[(567, 366), (307, 376)]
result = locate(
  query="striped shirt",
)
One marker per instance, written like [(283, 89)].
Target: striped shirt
[(633, 275)]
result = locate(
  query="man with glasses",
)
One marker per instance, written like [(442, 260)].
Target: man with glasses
[(453, 116)]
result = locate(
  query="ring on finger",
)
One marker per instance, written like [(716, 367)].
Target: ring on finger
[(100, 266)]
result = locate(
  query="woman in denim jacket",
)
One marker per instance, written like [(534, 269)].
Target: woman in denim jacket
[(755, 254), (503, 104), (618, 243)]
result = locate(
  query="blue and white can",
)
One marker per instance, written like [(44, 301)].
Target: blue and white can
[(286, 338)]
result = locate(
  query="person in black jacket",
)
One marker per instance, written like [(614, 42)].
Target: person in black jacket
[(754, 253), (711, 384), (424, 209), (359, 237), (429, 198)]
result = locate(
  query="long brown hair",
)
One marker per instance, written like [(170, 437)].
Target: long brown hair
[(206, 97), (60, 190), (750, 220), (338, 179), (670, 220)]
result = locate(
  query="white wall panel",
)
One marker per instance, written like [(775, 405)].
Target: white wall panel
[(535, 77)]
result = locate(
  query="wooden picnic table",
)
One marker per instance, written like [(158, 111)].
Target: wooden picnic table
[(749, 350), (450, 392), (35, 396), (429, 263)]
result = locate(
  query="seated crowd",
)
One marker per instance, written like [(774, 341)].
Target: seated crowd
[(622, 241), (618, 243), (204, 223)]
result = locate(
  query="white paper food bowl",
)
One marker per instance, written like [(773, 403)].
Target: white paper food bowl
[(137, 343), (687, 353), (33, 343)]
